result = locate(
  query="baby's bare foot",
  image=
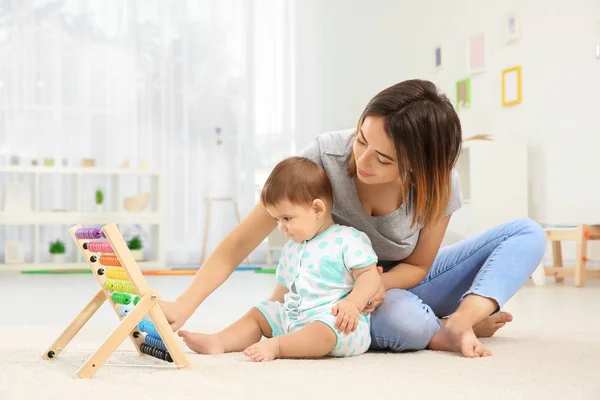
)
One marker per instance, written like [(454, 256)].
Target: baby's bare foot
[(265, 350), (202, 343), (491, 324)]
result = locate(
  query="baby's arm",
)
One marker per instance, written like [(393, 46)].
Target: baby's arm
[(348, 310), (360, 259), (366, 284)]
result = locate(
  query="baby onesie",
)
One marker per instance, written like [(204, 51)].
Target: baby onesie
[(318, 275)]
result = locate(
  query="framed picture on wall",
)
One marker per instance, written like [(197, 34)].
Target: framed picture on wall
[(511, 86), (513, 27), (476, 53), (437, 58), (463, 94)]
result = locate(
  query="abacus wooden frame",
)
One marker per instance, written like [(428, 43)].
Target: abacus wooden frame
[(148, 304)]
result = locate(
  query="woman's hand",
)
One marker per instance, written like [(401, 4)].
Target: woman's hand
[(177, 314), (378, 297)]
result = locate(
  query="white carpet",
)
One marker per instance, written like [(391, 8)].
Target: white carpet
[(561, 363)]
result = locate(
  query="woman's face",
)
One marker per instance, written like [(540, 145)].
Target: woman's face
[(375, 153)]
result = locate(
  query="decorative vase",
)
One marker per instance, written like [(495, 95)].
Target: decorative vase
[(99, 207), (58, 258), (138, 255)]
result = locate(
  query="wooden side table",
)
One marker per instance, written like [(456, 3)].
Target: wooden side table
[(581, 235)]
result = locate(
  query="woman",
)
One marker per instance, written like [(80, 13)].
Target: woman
[(394, 179)]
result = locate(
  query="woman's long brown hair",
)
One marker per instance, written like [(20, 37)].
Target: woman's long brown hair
[(427, 134)]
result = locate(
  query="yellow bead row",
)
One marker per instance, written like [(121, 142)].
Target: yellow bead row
[(117, 273), (119, 286)]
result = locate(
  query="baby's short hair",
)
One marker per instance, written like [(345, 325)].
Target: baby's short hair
[(299, 181)]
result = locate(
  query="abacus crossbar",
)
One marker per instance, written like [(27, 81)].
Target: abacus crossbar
[(135, 303)]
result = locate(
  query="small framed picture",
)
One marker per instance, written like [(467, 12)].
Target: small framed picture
[(511, 86), (476, 54), (463, 94), (438, 57), (513, 28)]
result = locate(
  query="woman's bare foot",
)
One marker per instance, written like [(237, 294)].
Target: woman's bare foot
[(491, 324), (458, 339), (265, 350), (202, 343)]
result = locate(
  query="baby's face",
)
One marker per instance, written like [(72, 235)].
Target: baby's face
[(296, 222)]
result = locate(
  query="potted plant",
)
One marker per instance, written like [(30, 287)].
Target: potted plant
[(135, 246), (99, 199), (57, 249)]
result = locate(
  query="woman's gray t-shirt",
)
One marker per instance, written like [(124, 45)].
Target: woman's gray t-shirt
[(392, 236)]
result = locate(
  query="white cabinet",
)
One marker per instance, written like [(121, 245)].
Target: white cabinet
[(493, 175), (41, 203)]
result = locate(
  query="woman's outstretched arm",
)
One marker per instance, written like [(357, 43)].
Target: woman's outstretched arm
[(232, 250)]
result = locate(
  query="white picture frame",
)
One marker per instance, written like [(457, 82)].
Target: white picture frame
[(512, 27), (477, 54)]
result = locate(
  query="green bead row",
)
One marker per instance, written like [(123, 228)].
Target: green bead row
[(124, 298)]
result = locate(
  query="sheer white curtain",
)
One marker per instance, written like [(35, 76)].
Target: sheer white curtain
[(126, 80)]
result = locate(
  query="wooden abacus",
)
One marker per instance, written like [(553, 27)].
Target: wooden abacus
[(123, 285)]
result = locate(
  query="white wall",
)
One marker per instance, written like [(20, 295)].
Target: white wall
[(364, 47)]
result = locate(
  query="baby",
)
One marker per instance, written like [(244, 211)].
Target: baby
[(326, 275)]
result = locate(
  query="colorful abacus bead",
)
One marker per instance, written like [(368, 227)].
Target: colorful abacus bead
[(117, 273), (128, 288), (121, 298), (119, 286), (155, 341), (148, 327), (110, 260), (124, 310), (99, 247), (89, 233), (156, 352)]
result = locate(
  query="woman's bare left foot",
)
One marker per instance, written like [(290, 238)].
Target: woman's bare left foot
[(491, 324), (265, 350), (460, 340), (470, 346)]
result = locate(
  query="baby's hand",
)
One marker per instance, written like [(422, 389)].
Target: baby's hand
[(347, 316)]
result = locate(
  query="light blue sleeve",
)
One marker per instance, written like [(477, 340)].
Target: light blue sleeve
[(358, 252), (285, 272)]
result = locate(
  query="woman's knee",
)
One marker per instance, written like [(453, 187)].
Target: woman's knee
[(533, 236), (402, 323)]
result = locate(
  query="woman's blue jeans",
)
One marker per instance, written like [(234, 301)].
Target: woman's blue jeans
[(494, 264)]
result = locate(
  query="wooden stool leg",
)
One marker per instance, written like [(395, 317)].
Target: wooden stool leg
[(206, 229), (557, 258), (581, 255)]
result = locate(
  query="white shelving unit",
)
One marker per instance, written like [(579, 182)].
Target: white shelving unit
[(74, 188), (493, 178)]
